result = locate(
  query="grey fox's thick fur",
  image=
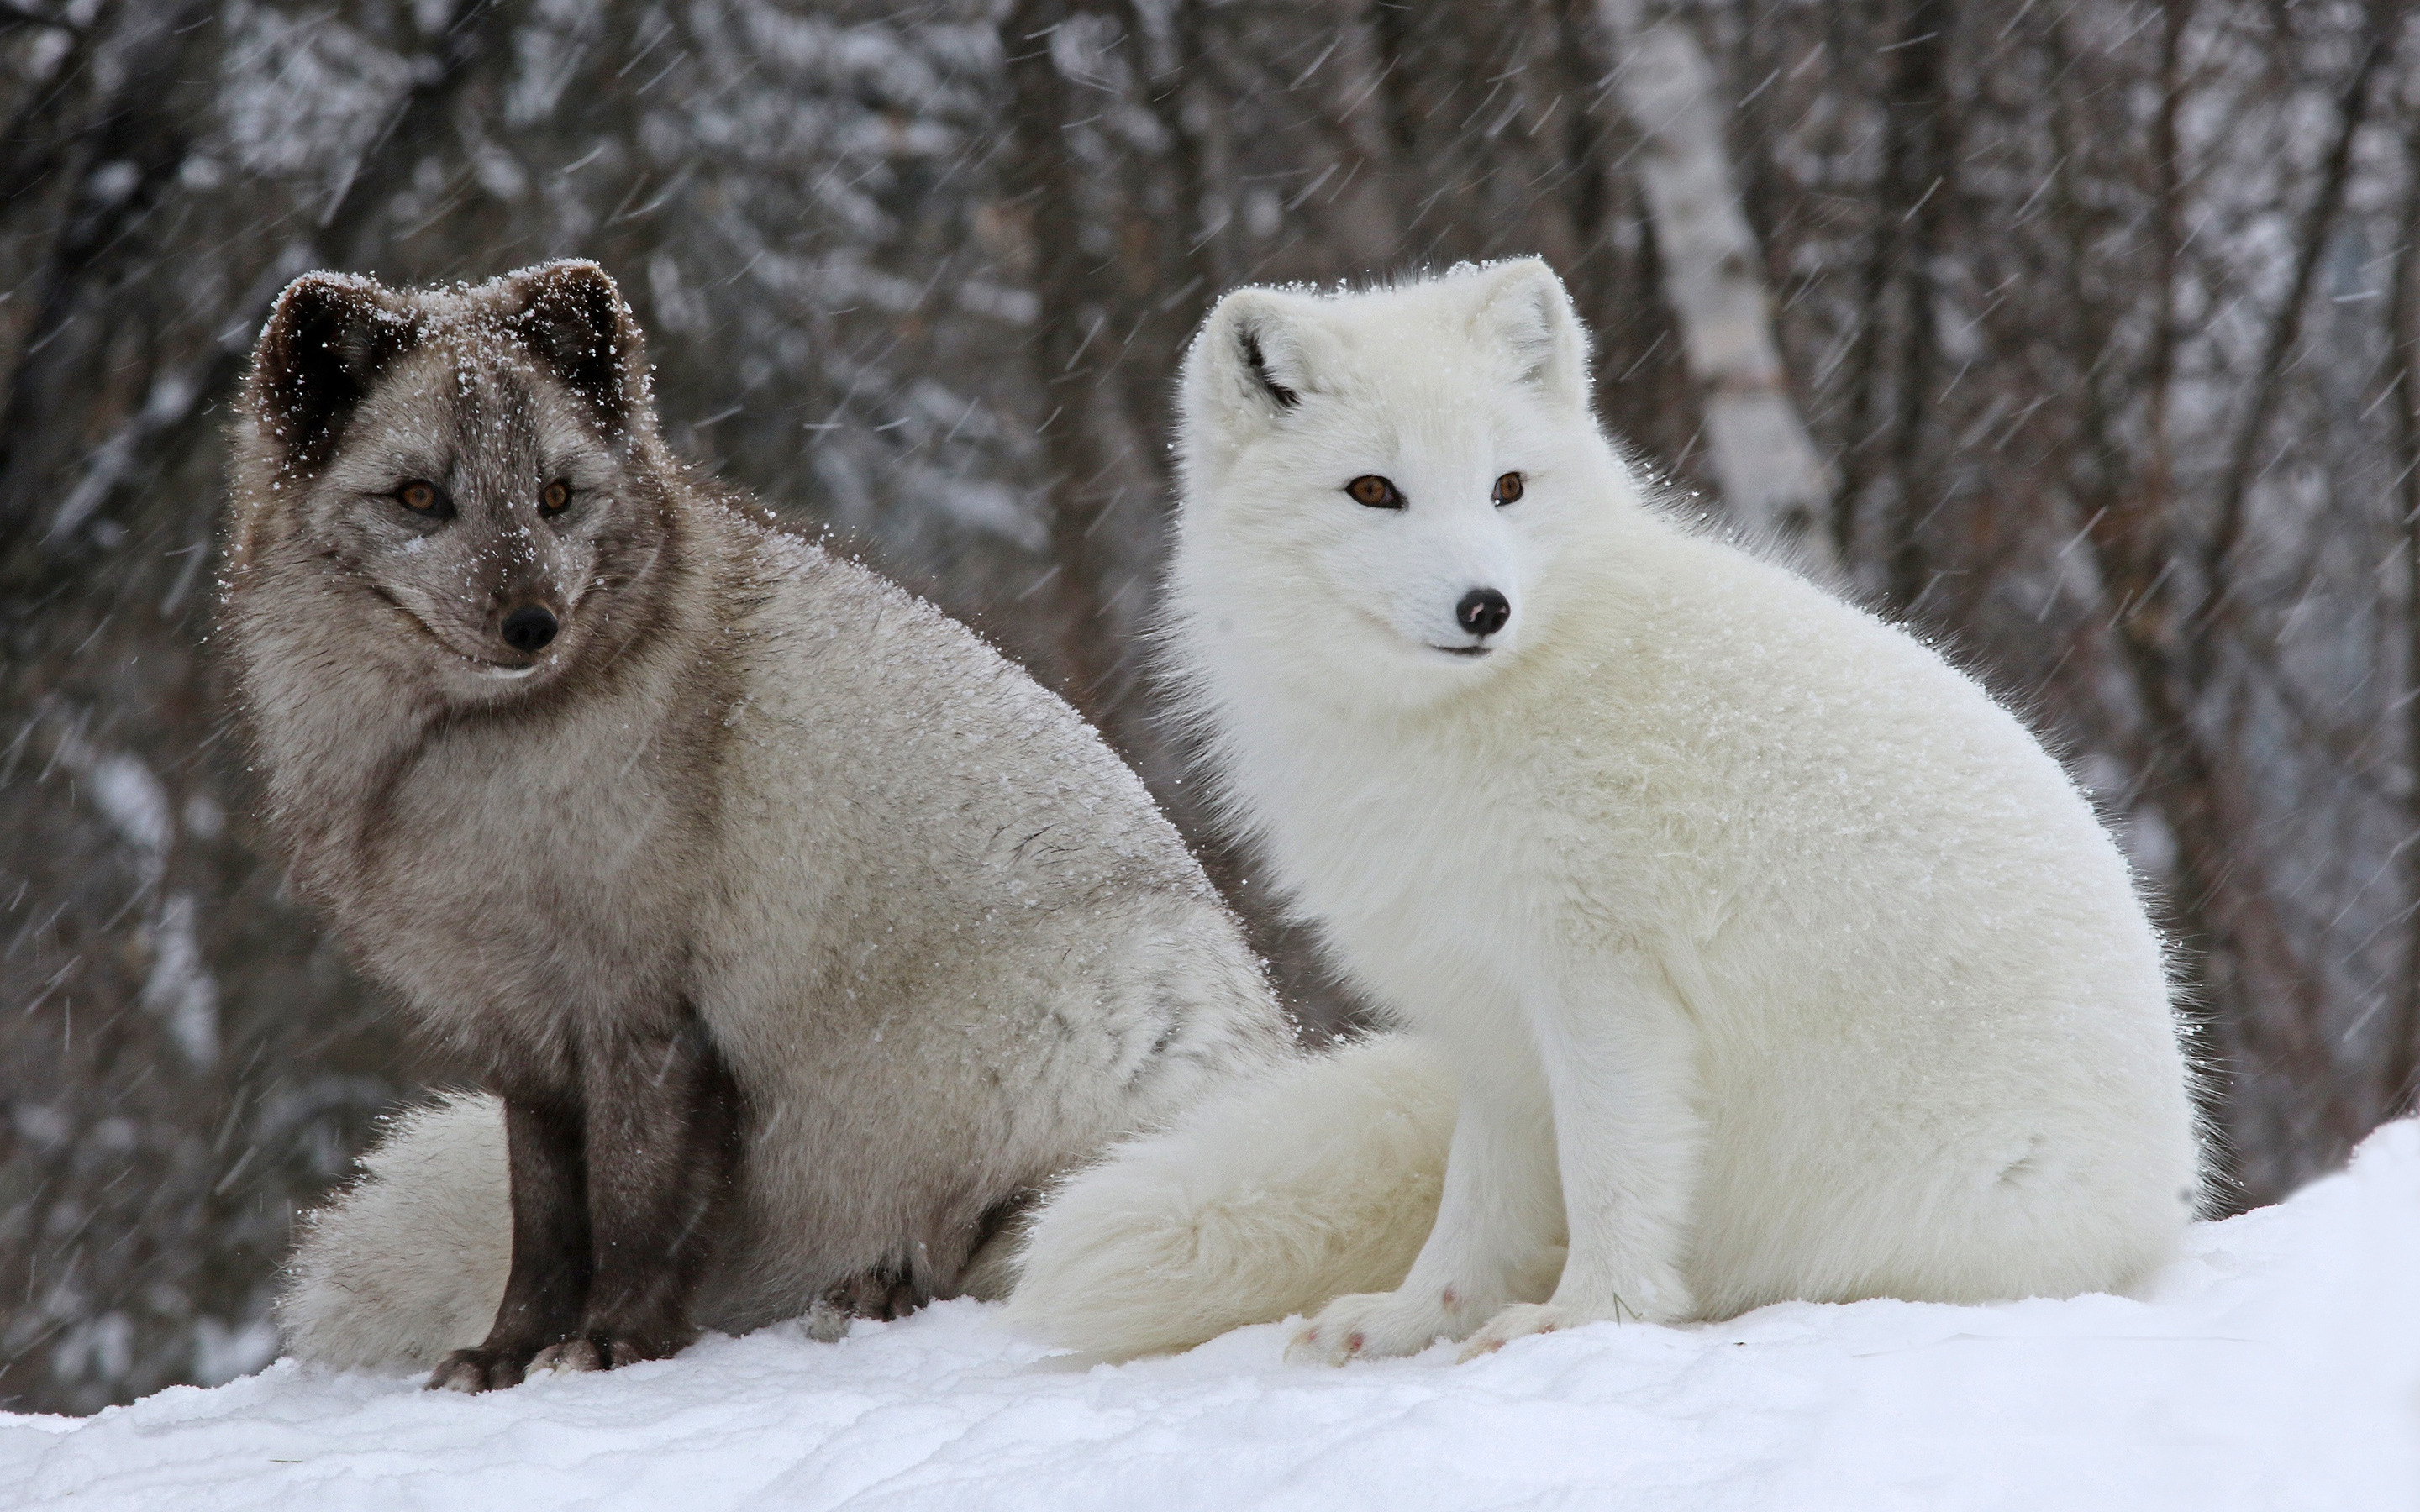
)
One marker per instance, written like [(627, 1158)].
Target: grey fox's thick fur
[(798, 936)]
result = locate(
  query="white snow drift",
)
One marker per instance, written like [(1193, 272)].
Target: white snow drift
[(2276, 1366)]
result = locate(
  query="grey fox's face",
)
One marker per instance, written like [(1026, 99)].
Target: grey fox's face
[(475, 466), (1378, 484)]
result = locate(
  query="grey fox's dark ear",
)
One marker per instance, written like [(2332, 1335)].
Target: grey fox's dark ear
[(327, 338), (576, 322)]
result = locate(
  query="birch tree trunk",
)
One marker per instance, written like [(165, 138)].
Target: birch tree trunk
[(1770, 475)]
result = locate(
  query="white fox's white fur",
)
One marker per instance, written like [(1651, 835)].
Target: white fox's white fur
[(1770, 956), (1178, 1238)]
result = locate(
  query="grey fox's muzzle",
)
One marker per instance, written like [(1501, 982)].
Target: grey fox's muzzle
[(528, 629)]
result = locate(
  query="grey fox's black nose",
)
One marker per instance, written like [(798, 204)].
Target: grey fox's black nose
[(528, 629), (1482, 611)]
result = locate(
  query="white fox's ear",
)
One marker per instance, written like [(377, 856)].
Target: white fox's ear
[(1525, 312), (1252, 359)]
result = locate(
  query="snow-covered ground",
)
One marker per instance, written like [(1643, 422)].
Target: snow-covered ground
[(2276, 1367)]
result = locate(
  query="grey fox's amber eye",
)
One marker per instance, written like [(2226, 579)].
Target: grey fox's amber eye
[(1508, 487), (422, 497), (556, 498), (1374, 491)]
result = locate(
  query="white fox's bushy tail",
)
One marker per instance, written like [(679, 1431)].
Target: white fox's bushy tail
[(1318, 1179), (411, 1260)]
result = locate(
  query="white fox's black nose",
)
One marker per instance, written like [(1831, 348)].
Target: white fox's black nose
[(1482, 611), (528, 629)]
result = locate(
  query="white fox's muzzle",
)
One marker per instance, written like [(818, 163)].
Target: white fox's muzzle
[(1460, 595), (1482, 613)]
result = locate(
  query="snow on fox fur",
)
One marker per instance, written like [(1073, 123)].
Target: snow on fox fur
[(1759, 954)]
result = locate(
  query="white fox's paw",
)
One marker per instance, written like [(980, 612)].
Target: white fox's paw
[(1663, 1300), (1518, 1320), (1372, 1325)]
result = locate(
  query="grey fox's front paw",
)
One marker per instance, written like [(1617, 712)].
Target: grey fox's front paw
[(572, 1356), (480, 1369), (493, 1367), (606, 1349)]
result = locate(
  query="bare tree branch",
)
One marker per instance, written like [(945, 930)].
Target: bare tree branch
[(133, 147), (2380, 24), (1921, 161), (1073, 343), (37, 142), (172, 418)]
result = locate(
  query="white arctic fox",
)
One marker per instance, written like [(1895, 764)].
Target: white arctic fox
[(1769, 956)]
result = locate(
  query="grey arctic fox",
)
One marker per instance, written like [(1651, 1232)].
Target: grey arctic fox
[(797, 937)]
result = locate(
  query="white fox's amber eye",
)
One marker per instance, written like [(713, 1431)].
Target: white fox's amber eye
[(557, 495), (1374, 491), (1508, 487)]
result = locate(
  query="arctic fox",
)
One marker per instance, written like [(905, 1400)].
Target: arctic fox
[(800, 936), (1771, 958)]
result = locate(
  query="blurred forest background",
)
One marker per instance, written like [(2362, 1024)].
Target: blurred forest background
[(2098, 314)]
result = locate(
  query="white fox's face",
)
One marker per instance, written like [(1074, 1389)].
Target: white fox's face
[(1377, 485)]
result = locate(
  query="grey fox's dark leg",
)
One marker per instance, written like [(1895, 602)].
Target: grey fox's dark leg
[(663, 1145), (548, 1288), (882, 1293), (897, 1287)]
